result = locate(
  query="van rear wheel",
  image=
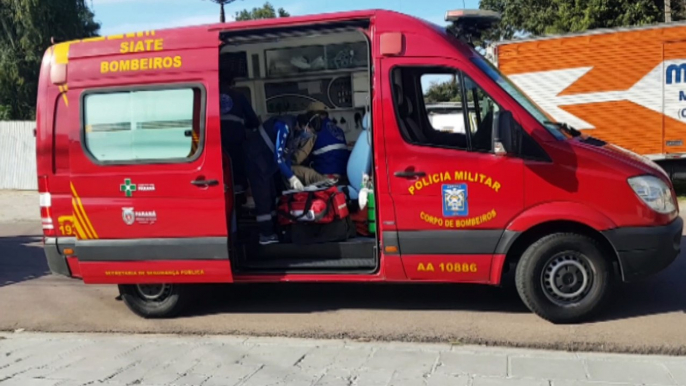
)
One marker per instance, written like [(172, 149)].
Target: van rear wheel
[(563, 277), (154, 300)]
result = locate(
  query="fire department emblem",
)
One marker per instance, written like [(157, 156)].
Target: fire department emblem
[(128, 215), (455, 200)]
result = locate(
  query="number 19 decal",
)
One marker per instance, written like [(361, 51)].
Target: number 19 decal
[(66, 225)]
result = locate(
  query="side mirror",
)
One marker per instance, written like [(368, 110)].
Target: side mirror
[(507, 138)]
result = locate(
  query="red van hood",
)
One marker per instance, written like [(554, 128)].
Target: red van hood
[(619, 154)]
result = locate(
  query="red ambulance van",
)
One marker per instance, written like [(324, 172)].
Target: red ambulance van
[(135, 189)]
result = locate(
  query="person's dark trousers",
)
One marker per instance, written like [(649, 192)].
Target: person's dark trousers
[(264, 193)]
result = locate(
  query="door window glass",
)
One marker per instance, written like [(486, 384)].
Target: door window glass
[(146, 125), (482, 113), (429, 106)]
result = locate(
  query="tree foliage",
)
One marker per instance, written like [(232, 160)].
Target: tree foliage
[(267, 11), (446, 91), (541, 17), (26, 27)]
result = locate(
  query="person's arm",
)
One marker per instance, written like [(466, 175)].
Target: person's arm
[(301, 154), (280, 151)]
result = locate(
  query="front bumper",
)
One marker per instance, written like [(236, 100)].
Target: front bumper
[(644, 251)]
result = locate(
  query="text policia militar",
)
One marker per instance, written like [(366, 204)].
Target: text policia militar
[(142, 64), (454, 199), (443, 177)]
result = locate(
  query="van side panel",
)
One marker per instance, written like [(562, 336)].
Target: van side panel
[(588, 82)]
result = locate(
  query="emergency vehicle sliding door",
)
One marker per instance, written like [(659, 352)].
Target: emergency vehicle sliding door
[(146, 176), (453, 196)]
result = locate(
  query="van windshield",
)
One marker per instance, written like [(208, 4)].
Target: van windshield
[(509, 87)]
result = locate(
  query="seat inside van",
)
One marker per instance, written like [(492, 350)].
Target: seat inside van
[(286, 71)]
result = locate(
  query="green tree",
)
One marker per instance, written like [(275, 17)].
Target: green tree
[(26, 29), (540, 17), (443, 92), (267, 11)]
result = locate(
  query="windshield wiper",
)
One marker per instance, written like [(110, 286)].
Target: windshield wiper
[(568, 129)]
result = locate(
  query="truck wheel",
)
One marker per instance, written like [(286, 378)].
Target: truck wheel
[(154, 300), (563, 277)]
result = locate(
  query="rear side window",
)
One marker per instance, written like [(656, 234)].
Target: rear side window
[(143, 125)]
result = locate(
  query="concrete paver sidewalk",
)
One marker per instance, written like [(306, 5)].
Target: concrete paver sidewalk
[(31, 359)]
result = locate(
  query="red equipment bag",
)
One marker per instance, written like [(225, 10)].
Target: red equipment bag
[(319, 206)]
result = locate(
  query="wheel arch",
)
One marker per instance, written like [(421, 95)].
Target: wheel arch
[(568, 217)]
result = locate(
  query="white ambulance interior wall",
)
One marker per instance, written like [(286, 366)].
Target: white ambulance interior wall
[(314, 81)]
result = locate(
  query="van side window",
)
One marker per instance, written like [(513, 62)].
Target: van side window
[(428, 104), (143, 125), (482, 112)]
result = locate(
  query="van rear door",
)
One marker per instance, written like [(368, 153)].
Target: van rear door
[(146, 171)]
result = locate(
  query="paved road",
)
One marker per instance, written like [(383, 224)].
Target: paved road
[(646, 317), (112, 360)]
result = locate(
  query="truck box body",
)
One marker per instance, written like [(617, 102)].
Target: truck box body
[(624, 86)]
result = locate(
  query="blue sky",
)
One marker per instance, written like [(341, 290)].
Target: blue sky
[(120, 16)]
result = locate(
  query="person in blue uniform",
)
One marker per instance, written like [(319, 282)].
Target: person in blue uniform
[(323, 153), (271, 150), (237, 116), (330, 152)]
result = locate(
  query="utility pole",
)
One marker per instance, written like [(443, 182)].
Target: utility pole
[(668, 11)]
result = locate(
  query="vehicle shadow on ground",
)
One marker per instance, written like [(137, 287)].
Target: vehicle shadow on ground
[(21, 259), (662, 293), (321, 297)]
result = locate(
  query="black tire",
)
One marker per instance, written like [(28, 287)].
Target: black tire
[(574, 265), (155, 300)]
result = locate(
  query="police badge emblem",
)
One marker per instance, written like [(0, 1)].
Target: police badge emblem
[(455, 200), (128, 216)]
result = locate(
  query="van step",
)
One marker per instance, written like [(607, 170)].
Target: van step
[(300, 264), (352, 254)]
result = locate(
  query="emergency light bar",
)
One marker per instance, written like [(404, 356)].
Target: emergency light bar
[(468, 24)]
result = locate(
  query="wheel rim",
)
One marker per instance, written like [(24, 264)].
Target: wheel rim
[(154, 292), (567, 278)]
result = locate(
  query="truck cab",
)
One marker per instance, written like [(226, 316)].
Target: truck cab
[(138, 191)]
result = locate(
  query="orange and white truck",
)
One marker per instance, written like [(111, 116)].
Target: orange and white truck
[(626, 86)]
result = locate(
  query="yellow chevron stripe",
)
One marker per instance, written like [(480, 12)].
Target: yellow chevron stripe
[(63, 91), (87, 222), (80, 233), (79, 217)]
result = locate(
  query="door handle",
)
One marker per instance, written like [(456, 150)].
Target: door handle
[(409, 174), (205, 182)]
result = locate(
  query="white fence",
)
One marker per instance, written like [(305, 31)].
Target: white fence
[(18, 156)]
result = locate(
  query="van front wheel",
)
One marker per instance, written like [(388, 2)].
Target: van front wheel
[(154, 300), (563, 277)]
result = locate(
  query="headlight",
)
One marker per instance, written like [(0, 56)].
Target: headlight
[(654, 192)]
